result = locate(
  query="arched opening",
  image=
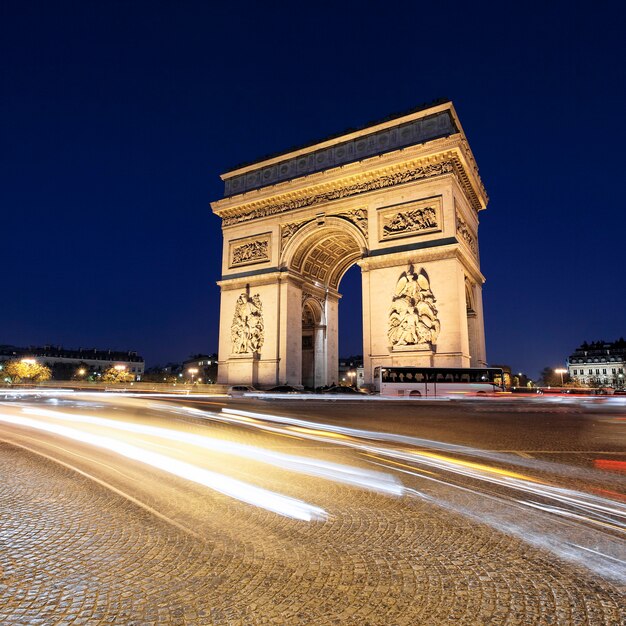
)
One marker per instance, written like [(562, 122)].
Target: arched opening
[(313, 332), (320, 254), (350, 325)]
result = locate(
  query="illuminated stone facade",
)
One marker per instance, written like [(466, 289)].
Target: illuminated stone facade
[(599, 364), (401, 199)]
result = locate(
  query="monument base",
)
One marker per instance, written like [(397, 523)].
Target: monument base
[(243, 369)]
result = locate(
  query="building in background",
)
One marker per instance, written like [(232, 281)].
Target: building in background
[(76, 363), (352, 372), (200, 368), (599, 364)]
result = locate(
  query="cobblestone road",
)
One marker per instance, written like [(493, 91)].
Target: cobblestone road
[(72, 551)]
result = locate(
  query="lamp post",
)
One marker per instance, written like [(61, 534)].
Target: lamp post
[(193, 371), (351, 375), (561, 371)]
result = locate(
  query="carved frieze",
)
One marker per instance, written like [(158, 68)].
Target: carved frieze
[(247, 331), (374, 183), (413, 318), (411, 218), (287, 231), (358, 217), (466, 233), (250, 250)]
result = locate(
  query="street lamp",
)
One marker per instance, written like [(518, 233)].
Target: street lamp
[(561, 371), (193, 371), (351, 375)]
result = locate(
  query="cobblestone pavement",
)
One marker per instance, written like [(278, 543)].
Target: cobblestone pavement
[(122, 544)]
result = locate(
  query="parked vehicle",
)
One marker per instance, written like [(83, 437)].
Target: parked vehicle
[(241, 390), (284, 389)]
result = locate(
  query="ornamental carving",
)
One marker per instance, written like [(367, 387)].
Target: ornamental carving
[(413, 320), (466, 234), (247, 332), (412, 218), (287, 231), (307, 295), (379, 182), (250, 250), (357, 216)]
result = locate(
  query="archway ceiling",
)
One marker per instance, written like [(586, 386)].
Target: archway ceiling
[(325, 259)]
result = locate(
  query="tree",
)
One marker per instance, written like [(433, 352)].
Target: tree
[(549, 378), (26, 369), (117, 374)]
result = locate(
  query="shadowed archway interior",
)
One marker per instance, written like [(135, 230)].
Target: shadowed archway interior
[(325, 255), (321, 258)]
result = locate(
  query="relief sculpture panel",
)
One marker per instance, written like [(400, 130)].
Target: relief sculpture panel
[(247, 330), (287, 231), (412, 218), (466, 234), (413, 318), (250, 250)]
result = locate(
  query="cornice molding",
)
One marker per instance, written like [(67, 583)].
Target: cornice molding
[(363, 182)]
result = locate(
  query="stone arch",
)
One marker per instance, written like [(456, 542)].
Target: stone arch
[(313, 342), (312, 310), (395, 193), (322, 251)]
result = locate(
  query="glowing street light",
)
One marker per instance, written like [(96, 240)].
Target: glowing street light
[(351, 375), (561, 371), (119, 368), (29, 361), (193, 371)]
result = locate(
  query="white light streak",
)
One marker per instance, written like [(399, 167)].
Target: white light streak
[(283, 505), (364, 478)]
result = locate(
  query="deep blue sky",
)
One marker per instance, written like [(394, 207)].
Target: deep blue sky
[(118, 117)]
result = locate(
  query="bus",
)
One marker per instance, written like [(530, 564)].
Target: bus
[(437, 381)]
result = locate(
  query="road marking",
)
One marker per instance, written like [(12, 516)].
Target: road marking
[(524, 455)]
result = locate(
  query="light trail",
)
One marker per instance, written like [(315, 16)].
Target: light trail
[(359, 477), (574, 525), (257, 496), (512, 517), (505, 513), (324, 430)]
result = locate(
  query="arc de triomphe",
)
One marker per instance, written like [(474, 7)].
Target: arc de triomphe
[(399, 198)]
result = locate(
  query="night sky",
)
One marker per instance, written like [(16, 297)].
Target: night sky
[(118, 117)]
